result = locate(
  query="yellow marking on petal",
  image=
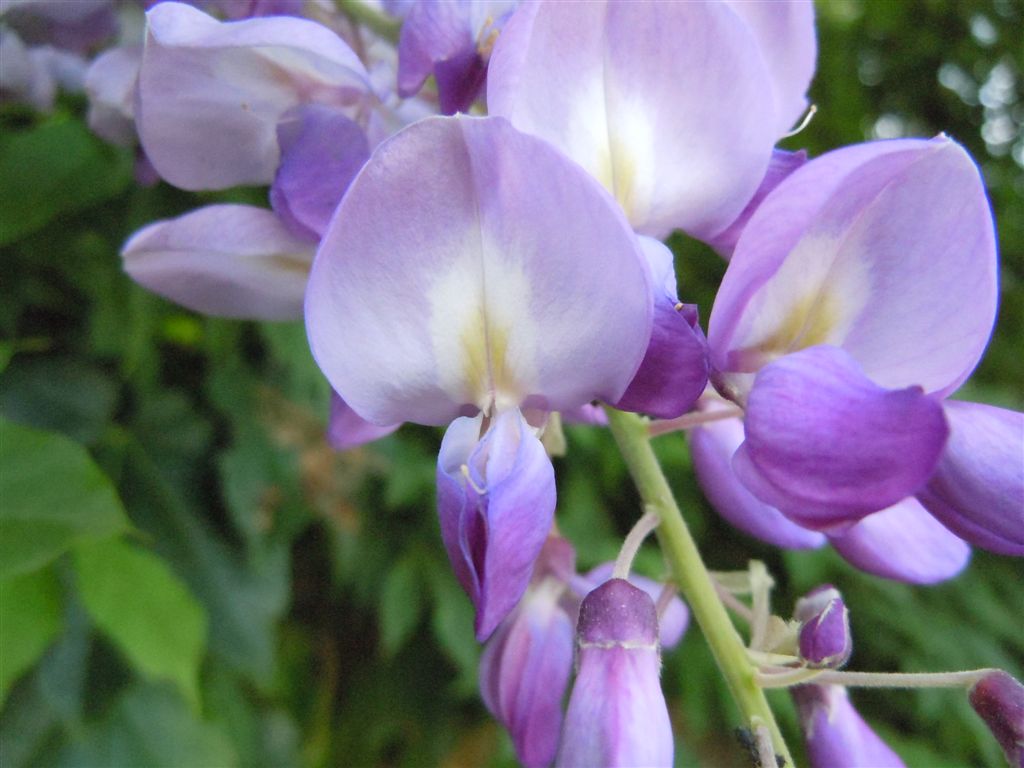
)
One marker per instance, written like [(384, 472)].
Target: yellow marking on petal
[(810, 321), (484, 345), (812, 299), (623, 172), (289, 262)]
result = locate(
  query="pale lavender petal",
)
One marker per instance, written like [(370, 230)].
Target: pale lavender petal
[(672, 621), (977, 490), (711, 449), (826, 446), (496, 513), (347, 429), (837, 736), (781, 166), (785, 33), (524, 672), (211, 93), (904, 543), (674, 371), (223, 260), (321, 152), (110, 85), (470, 266), (669, 105), (872, 249), (617, 715)]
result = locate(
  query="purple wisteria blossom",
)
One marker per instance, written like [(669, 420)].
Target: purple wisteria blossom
[(281, 101), (223, 260), (929, 552), (674, 107), (211, 93), (451, 40), (472, 269), (836, 735), (831, 329), (527, 663)]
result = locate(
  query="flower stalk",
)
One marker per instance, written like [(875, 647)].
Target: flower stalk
[(633, 438)]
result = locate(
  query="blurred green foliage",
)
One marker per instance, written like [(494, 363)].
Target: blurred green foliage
[(203, 582)]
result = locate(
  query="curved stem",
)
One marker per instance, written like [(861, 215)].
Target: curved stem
[(641, 530), (694, 580)]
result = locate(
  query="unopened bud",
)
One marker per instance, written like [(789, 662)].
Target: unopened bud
[(825, 639), (999, 700), (617, 714)]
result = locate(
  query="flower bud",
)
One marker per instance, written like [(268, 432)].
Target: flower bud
[(617, 714), (525, 666), (825, 639), (999, 700)]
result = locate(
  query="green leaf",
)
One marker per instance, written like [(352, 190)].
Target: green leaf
[(56, 168), (453, 628), (401, 604), (243, 600), (135, 599), (152, 727), (52, 496), (30, 619), (59, 393)]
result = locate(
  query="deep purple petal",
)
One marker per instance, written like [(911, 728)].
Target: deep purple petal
[(825, 445), (223, 260), (674, 371), (211, 93), (347, 429), (495, 520), (837, 736), (999, 700), (711, 448), (669, 105), (904, 543), (673, 620), (977, 490), (824, 639), (471, 266), (321, 152)]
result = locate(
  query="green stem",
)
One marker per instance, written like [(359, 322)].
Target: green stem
[(694, 580), (383, 25)]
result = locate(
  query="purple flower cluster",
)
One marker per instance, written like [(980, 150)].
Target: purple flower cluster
[(483, 270)]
